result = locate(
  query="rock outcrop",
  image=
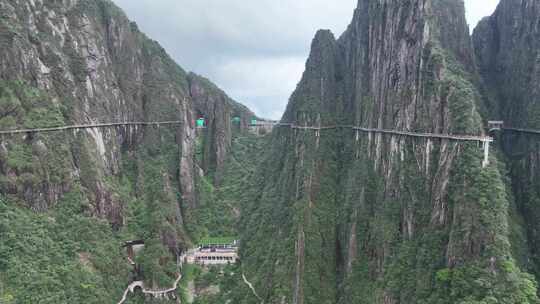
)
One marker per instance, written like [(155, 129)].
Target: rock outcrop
[(507, 48), (378, 218), (219, 111), (84, 62)]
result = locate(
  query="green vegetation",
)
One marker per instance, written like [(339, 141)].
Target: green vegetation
[(36, 161), (60, 256), (189, 273), (215, 285), (23, 104), (67, 203), (216, 240), (220, 207), (333, 220), (65, 255), (322, 220)]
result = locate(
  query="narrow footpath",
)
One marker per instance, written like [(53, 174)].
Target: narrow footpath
[(248, 283), (159, 293)]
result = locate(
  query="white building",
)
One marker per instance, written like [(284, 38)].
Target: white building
[(213, 254)]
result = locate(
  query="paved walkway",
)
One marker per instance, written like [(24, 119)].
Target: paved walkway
[(248, 283), (156, 293)]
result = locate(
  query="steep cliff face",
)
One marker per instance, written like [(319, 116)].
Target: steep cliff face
[(219, 111), (379, 218), (82, 62), (507, 49)]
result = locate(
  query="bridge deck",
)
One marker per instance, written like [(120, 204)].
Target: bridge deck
[(393, 132), (529, 131), (281, 124), (291, 125), (486, 140), (90, 126)]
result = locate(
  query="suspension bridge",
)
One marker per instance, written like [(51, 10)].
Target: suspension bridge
[(484, 140)]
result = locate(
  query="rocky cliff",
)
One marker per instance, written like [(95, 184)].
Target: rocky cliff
[(379, 218), (507, 49), (219, 110), (332, 216), (83, 62)]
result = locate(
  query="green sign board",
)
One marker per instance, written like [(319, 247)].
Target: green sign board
[(253, 121), (236, 119), (200, 122)]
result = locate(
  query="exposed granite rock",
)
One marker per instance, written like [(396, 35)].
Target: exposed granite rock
[(353, 220), (218, 110), (507, 47), (91, 64)]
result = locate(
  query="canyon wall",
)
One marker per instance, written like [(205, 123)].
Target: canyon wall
[(507, 50), (381, 218)]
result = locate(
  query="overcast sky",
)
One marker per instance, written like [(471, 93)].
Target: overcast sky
[(254, 50)]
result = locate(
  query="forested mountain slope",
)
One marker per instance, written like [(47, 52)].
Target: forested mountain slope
[(507, 47), (330, 216), (385, 218), (69, 199)]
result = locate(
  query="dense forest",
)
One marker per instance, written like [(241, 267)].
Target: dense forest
[(323, 214), (70, 200)]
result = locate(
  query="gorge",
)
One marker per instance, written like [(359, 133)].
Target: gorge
[(341, 203)]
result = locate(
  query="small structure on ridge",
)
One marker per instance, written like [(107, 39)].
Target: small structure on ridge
[(495, 125), (133, 248)]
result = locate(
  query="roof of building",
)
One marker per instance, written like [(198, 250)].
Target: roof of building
[(217, 241)]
